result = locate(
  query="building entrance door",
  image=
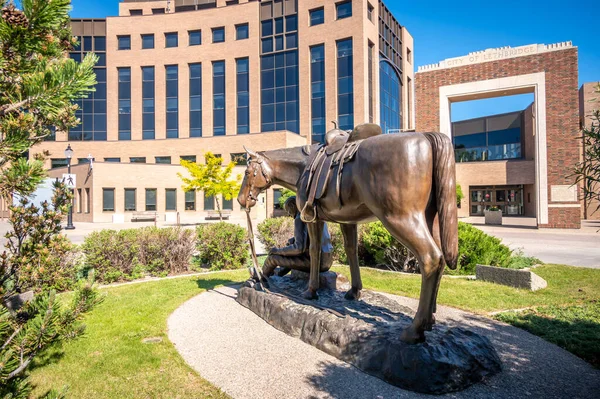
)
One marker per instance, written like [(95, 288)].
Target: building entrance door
[(508, 198)]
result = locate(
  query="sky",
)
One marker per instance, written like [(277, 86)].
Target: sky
[(443, 29)]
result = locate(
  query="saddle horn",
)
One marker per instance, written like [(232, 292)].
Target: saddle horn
[(335, 125)]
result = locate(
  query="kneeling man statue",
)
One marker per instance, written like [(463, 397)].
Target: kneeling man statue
[(296, 254)]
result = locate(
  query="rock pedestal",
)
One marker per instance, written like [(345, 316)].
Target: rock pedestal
[(366, 334)]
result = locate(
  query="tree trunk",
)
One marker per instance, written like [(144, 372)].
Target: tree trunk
[(219, 209)]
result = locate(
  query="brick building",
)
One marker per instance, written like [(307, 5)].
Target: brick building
[(589, 101), (537, 164), (177, 78)]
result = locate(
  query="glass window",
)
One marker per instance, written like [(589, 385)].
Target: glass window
[(219, 104), (267, 45), (163, 160), (189, 158), (241, 32), (58, 162), (171, 199), (137, 159), (195, 37), (148, 117), (130, 203), (195, 86), (317, 16), (279, 107), (124, 94), (370, 12), (124, 42), (108, 199), (228, 204), (291, 23), (390, 91), (171, 39), (345, 85), (147, 41), (190, 200), (136, 12), (278, 25), (317, 75), (87, 43), (209, 203), (267, 28), (99, 43), (172, 101), (344, 10), (240, 158), (243, 109), (151, 199), (218, 35), (277, 193), (112, 159)]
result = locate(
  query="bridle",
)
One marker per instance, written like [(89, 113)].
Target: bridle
[(263, 172)]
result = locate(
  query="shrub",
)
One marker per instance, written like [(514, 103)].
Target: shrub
[(337, 241), (275, 232), (165, 251), (132, 253), (56, 266), (476, 247), (222, 245), (113, 255)]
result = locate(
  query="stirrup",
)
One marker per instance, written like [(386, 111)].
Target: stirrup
[(304, 212)]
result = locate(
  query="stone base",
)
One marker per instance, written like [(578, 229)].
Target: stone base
[(511, 277), (366, 334)]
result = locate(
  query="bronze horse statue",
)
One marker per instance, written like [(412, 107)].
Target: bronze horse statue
[(407, 181)]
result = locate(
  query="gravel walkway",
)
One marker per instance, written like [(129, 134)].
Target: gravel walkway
[(237, 351)]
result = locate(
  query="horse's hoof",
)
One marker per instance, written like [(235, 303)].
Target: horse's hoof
[(412, 336), (352, 294), (310, 294)]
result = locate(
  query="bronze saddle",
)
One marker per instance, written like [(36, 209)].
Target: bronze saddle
[(339, 148)]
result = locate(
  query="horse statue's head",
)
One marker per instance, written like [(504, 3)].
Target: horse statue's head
[(258, 178)]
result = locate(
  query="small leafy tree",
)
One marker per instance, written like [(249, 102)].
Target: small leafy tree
[(212, 178), (587, 171)]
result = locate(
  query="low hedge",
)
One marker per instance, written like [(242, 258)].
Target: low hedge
[(222, 245), (132, 253)]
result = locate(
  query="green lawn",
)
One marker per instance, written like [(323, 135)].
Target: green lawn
[(566, 286), (111, 361)]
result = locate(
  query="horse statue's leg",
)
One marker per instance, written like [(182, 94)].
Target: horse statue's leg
[(315, 234), (413, 233), (350, 232)]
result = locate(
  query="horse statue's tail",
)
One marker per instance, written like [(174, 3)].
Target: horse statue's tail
[(444, 181)]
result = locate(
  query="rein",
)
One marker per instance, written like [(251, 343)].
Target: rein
[(255, 271)]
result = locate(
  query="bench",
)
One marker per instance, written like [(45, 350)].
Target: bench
[(145, 215), (211, 215)]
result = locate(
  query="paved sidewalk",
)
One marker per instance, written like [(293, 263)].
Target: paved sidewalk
[(564, 246), (237, 351)]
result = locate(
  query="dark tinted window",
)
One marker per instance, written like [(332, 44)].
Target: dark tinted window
[(147, 41), (344, 10), (108, 199), (129, 199), (218, 35), (317, 17), (195, 37), (171, 199), (171, 39), (124, 42), (241, 32), (150, 199)]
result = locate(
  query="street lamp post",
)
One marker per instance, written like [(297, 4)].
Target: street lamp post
[(69, 155)]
